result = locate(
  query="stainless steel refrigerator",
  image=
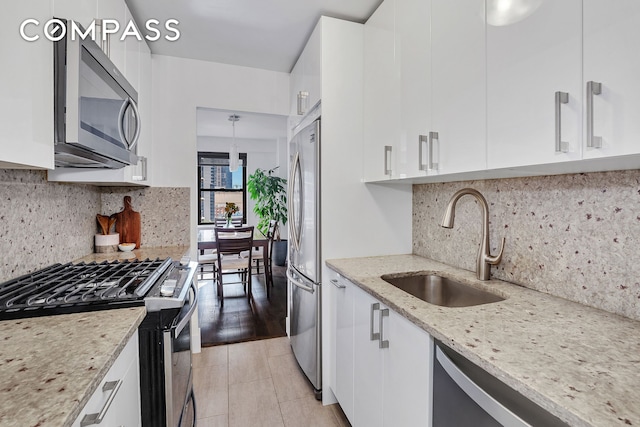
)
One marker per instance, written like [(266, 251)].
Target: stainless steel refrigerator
[(304, 268)]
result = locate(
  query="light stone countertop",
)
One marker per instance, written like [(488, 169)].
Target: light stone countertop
[(175, 252), (51, 365), (581, 364)]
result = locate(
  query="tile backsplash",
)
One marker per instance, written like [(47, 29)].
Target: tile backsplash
[(42, 223), (573, 236)]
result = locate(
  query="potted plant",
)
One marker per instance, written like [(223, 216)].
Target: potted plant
[(270, 194)]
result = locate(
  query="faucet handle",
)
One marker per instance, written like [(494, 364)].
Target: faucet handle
[(495, 259)]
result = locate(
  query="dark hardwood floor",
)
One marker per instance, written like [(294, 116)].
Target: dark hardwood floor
[(240, 319)]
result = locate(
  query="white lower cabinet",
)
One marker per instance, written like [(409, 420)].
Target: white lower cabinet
[(382, 363), (118, 394)]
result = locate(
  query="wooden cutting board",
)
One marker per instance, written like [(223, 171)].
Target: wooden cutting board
[(128, 224)]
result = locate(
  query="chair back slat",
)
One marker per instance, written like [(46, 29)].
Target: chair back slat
[(234, 242)]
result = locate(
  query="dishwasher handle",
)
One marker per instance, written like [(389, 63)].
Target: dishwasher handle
[(490, 405)]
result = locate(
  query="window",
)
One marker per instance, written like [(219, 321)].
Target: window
[(217, 186)]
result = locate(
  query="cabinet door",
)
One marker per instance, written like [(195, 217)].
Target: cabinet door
[(115, 10), (407, 373), (124, 409), (459, 83), (312, 67), (132, 55), (530, 57), (26, 104), (413, 52), (612, 58), (342, 291), (369, 359), (82, 11), (381, 97)]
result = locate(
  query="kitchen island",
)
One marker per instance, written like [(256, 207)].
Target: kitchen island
[(579, 363), (51, 365)]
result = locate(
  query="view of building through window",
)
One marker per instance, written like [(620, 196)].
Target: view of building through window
[(217, 186)]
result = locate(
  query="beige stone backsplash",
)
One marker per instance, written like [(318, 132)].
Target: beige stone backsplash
[(573, 236), (43, 223)]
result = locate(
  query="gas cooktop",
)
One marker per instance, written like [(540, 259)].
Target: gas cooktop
[(69, 288)]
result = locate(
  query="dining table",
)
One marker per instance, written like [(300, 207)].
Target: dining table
[(207, 240)]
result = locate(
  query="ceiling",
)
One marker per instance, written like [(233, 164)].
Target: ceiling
[(214, 122), (267, 34)]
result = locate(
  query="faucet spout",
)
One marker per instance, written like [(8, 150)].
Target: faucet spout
[(485, 260)]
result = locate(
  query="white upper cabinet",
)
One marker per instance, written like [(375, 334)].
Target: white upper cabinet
[(458, 74), (26, 100), (306, 81), (413, 58), (83, 12), (115, 10), (382, 155), (531, 57), (612, 59), (132, 55)]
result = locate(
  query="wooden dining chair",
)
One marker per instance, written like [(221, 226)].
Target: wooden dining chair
[(230, 244), (257, 256)]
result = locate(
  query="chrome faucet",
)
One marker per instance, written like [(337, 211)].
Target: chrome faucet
[(485, 259)]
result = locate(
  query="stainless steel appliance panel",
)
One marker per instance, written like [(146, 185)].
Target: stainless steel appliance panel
[(178, 373), (305, 329), (304, 248), (97, 123), (464, 395)]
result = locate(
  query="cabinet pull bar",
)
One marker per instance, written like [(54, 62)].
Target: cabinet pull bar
[(422, 140), (374, 335), (561, 98), (434, 150), (302, 98), (336, 284), (387, 159), (593, 88), (91, 419), (383, 343)]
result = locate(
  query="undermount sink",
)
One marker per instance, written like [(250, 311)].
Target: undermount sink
[(441, 291)]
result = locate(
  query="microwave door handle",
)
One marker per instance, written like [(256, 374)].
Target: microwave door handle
[(123, 109), (121, 116), (136, 113)]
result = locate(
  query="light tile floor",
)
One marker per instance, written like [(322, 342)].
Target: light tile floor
[(257, 383)]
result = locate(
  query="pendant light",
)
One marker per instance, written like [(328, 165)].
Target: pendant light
[(234, 157)]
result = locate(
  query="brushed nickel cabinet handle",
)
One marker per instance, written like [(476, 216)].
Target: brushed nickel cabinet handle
[(335, 283), (374, 335), (383, 343), (593, 88), (387, 159), (434, 150), (422, 140), (91, 419), (561, 98)]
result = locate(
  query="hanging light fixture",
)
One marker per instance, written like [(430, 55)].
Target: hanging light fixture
[(234, 157)]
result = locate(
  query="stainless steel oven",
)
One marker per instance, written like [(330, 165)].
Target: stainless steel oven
[(168, 291)]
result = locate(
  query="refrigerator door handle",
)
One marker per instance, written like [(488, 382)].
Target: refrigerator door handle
[(295, 231), (298, 283)]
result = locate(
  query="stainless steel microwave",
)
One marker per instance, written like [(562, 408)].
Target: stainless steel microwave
[(97, 124)]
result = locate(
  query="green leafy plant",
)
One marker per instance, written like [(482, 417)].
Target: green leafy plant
[(270, 194)]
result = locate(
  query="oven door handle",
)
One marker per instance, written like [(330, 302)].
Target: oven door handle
[(194, 305)]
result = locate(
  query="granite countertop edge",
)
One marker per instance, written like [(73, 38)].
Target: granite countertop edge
[(515, 339), (100, 373)]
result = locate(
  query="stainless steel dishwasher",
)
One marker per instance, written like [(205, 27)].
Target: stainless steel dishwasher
[(465, 395)]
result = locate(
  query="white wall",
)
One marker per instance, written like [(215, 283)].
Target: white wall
[(261, 154), (179, 87)]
